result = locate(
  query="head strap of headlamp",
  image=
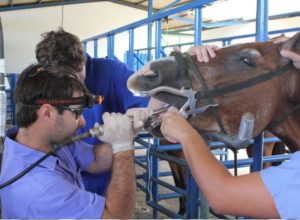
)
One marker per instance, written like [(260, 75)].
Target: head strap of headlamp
[(87, 101)]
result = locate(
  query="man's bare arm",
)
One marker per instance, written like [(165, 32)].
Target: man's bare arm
[(103, 159), (121, 190)]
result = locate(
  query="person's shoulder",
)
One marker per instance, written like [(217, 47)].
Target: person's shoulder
[(114, 63)]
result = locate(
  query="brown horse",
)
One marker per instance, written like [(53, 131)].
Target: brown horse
[(246, 78), (250, 77)]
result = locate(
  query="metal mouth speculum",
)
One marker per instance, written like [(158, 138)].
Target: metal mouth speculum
[(154, 120)]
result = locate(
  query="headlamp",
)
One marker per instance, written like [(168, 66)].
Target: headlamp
[(87, 101)]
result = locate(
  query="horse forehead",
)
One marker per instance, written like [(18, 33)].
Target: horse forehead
[(148, 68), (161, 63)]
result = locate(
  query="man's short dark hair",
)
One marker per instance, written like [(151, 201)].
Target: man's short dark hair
[(60, 48), (39, 82)]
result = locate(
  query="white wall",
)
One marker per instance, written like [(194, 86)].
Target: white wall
[(22, 28)]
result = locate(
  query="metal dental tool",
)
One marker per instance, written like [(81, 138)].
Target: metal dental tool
[(153, 121)]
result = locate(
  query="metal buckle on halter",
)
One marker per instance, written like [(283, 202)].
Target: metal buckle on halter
[(189, 108)]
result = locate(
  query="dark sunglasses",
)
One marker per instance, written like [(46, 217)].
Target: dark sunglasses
[(77, 111)]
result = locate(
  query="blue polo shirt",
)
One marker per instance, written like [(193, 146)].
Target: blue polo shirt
[(283, 182), (53, 189)]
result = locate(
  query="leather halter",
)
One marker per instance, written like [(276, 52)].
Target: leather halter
[(207, 94)]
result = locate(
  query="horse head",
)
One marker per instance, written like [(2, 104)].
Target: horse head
[(245, 78)]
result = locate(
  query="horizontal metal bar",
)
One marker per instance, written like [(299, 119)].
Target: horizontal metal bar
[(168, 186), (164, 210), (140, 176), (139, 163), (169, 196), (142, 158), (141, 187), (144, 135), (143, 142), (246, 162), (169, 147), (165, 173), (169, 158), (228, 38)]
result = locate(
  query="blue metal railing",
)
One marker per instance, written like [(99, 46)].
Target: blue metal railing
[(10, 111)]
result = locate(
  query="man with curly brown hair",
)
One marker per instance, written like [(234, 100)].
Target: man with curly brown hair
[(105, 77)]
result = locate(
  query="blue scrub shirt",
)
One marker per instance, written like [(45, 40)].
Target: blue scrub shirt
[(53, 189)]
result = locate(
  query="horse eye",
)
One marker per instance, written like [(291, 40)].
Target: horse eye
[(247, 61)]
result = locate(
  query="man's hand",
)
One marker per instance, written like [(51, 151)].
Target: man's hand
[(174, 127), (292, 56), (139, 117), (118, 131), (295, 57), (203, 52)]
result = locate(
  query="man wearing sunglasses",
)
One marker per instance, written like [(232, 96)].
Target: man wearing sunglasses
[(49, 105)]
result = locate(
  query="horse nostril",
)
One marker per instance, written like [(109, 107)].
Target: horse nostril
[(152, 75)]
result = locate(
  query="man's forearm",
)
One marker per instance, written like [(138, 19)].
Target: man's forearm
[(103, 159), (121, 191)]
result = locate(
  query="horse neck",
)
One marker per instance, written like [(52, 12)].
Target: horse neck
[(289, 131)]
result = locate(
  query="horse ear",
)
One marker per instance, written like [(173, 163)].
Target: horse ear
[(179, 60), (293, 43)]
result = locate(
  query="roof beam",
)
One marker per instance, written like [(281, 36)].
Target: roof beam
[(41, 4), (132, 5)]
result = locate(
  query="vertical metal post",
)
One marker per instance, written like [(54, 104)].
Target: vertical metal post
[(204, 207), (110, 46), (192, 197), (261, 35), (3, 97), (157, 38), (96, 48), (226, 43), (149, 42), (262, 20), (257, 153), (198, 26), (84, 45), (155, 174), (131, 48)]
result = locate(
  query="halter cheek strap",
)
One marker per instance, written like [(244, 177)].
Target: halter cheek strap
[(194, 73)]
